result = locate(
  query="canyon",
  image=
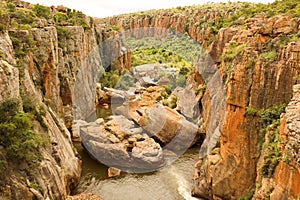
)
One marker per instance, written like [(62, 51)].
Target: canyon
[(251, 65)]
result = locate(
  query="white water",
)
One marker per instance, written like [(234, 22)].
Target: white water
[(173, 182)]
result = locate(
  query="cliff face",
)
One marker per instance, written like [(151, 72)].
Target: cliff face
[(285, 182), (190, 20), (254, 81), (258, 65), (54, 65), (60, 167)]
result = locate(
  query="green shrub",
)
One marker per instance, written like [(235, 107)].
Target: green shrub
[(23, 17), (168, 89), (126, 81), (36, 187), (11, 7), (249, 195), (16, 134), (165, 102), (184, 71), (269, 56), (2, 28), (62, 35), (109, 79), (250, 111), (3, 165), (271, 116), (114, 28), (60, 17), (41, 11), (273, 155), (165, 95), (235, 50), (173, 103)]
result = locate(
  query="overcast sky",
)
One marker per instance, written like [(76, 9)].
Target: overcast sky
[(104, 8)]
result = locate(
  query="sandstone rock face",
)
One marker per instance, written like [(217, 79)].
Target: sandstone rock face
[(67, 67), (187, 103), (60, 170), (157, 24), (9, 81), (284, 183), (254, 82), (287, 174), (60, 70), (9, 75), (6, 48)]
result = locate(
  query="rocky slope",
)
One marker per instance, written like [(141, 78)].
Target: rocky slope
[(252, 64)]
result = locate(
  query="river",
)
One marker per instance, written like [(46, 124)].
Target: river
[(172, 182)]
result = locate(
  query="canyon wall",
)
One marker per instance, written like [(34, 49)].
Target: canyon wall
[(258, 64), (55, 67), (255, 61)]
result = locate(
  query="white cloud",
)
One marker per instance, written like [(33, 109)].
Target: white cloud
[(103, 8)]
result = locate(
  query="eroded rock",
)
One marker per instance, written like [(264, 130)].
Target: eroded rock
[(120, 143)]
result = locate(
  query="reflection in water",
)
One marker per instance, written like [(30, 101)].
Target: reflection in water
[(173, 182)]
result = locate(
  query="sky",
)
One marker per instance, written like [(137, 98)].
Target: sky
[(104, 8)]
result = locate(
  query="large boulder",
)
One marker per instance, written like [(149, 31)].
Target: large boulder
[(168, 127), (187, 102), (118, 143)]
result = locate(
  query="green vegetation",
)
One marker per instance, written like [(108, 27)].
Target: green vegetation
[(270, 123), (115, 79), (235, 50), (62, 35), (126, 81), (36, 187), (174, 50), (269, 56), (173, 103), (29, 17), (250, 111), (272, 115), (273, 154), (2, 28), (114, 28), (270, 119), (249, 195), (29, 106), (60, 17), (17, 135), (22, 43), (283, 7), (41, 11), (11, 7), (158, 56)]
